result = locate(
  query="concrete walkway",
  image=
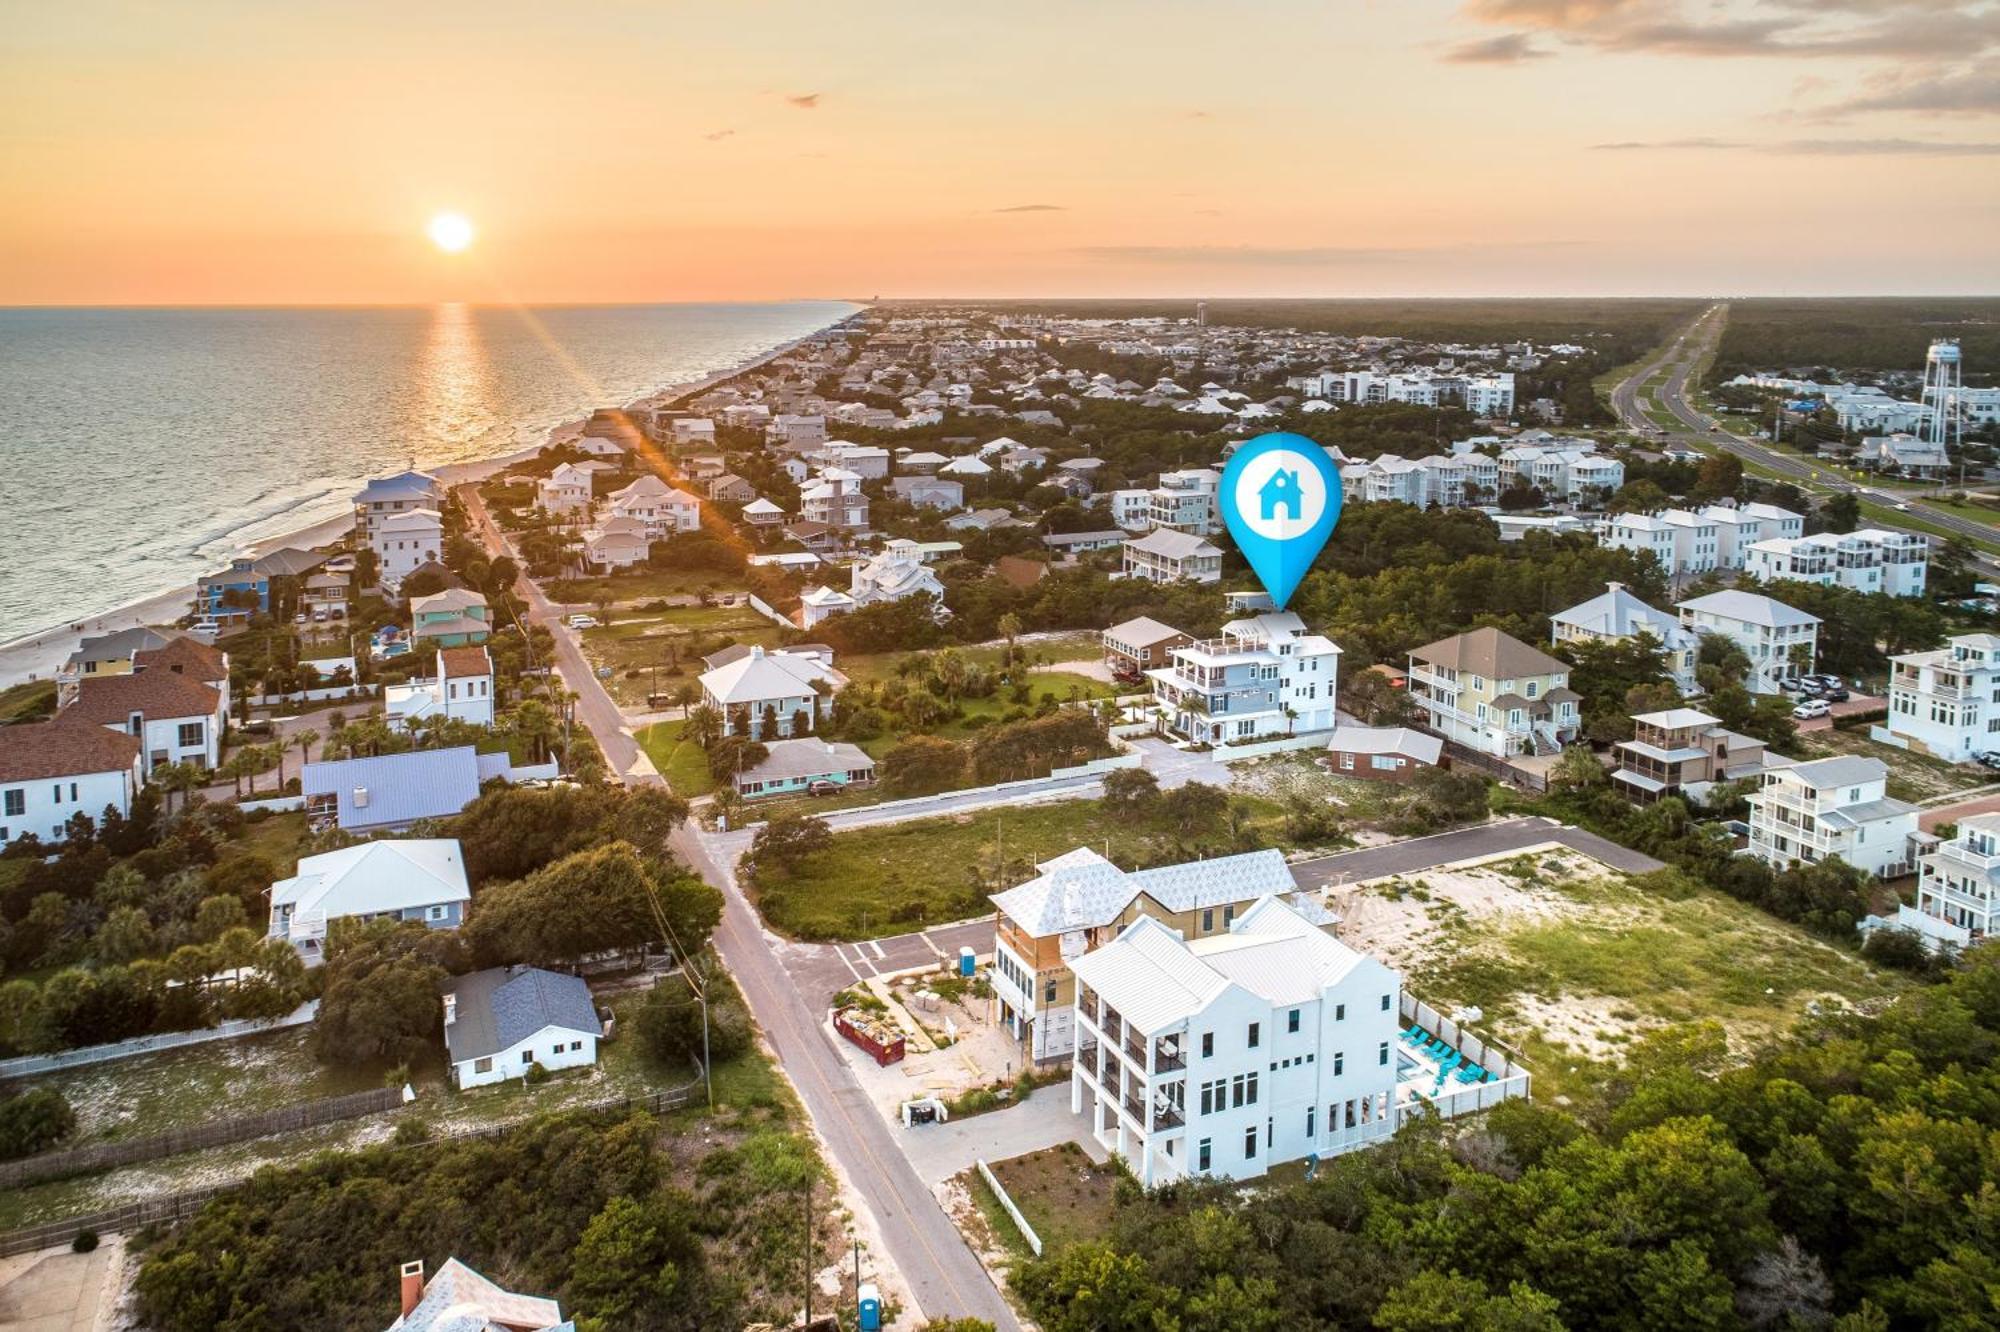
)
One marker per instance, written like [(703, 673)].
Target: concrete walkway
[(56, 1290)]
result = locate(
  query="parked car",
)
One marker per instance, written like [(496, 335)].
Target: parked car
[(1790, 685), (1836, 694), (1812, 707), (582, 622), (822, 787), (1990, 759)]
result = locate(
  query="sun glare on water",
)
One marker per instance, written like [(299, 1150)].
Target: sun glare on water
[(450, 232)]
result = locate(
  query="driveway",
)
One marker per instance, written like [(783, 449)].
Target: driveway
[(939, 1151), (60, 1291), (1488, 839)]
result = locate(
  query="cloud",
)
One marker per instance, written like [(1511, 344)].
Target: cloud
[(1814, 147), (804, 101), (1033, 208), (1509, 48), (718, 135), (1970, 92), (1888, 29)]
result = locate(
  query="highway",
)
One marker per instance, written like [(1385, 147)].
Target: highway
[(1681, 357), (924, 1245)]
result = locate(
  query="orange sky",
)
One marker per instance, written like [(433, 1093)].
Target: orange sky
[(183, 151)]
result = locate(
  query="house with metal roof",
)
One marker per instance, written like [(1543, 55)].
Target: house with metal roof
[(1617, 615), (769, 694), (1381, 753), (388, 792), (1226, 1054), (1837, 806), (421, 880), (1080, 900), (459, 1299), (1780, 641), (501, 1022)]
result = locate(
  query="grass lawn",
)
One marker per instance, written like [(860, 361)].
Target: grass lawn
[(27, 701), (282, 837), (681, 762), (1570, 961), (633, 647), (1915, 521), (642, 586), (1912, 776), (933, 870), (876, 666), (1064, 1194)]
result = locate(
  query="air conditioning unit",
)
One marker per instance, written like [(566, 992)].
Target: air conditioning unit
[(361, 797)]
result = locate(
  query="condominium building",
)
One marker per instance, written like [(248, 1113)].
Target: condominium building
[(1833, 807), (1228, 1054), (1494, 693), (1869, 560), (1618, 615), (387, 496), (1685, 752), (1263, 676), (1080, 901), (1946, 702), (1779, 640), (1164, 555), (1696, 541)]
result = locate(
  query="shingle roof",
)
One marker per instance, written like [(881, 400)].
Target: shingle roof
[(460, 662), (63, 748), (161, 695), (1142, 632), (185, 656), (401, 788), (1490, 653), (500, 1007), (808, 756)]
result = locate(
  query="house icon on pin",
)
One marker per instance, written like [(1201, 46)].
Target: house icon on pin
[(1281, 489)]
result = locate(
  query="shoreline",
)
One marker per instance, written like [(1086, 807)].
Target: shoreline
[(36, 655)]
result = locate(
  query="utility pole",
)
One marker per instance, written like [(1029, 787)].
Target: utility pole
[(809, 1251)]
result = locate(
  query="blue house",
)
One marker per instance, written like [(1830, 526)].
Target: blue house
[(390, 791), (251, 589), (421, 880)]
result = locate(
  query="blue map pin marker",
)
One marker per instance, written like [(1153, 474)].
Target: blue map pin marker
[(1280, 496)]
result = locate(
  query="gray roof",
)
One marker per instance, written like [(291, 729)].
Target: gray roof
[(1172, 545), (289, 561), (1749, 607), (500, 1007), (1385, 740), (401, 788), (808, 756), (1616, 613), (1841, 770)]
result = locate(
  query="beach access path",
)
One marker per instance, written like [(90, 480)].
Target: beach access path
[(944, 1277)]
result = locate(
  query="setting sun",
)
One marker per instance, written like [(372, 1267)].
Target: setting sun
[(451, 232)]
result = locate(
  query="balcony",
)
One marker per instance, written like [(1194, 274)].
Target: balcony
[(1169, 1055)]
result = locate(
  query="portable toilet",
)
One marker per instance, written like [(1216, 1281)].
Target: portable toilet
[(869, 1304), (965, 967)]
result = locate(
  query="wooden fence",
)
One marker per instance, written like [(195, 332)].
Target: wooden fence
[(219, 1133), (180, 1206)]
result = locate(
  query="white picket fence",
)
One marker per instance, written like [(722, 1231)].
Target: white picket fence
[(27, 1065), (1013, 1212)]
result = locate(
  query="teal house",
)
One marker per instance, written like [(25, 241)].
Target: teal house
[(451, 618), (797, 767)]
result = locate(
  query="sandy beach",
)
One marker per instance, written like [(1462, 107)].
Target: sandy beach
[(37, 656)]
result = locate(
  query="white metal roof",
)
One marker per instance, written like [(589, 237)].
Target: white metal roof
[(374, 877)]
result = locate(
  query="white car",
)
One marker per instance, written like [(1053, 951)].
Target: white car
[(582, 622), (1812, 707)]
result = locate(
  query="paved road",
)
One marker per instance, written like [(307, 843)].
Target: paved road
[(1488, 839), (1682, 355), (926, 1248), (821, 970)]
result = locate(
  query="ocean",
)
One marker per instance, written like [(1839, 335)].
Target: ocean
[(142, 448)]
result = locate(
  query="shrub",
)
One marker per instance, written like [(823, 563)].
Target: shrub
[(85, 1242), (538, 1073), (34, 1121)]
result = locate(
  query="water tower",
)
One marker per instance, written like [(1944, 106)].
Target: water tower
[(1942, 384)]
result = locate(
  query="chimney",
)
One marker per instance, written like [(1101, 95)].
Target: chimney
[(1614, 587), (413, 1286), (450, 1009)]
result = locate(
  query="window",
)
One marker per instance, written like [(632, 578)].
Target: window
[(1292, 1020), (527, 1056), (1385, 1001), (1250, 1091), (1254, 1034), (1208, 1045), (1207, 919), (576, 1045), (1312, 1119), (1339, 1062), (1228, 914), (1382, 1054), (191, 734), (435, 912), (1340, 1012), (1202, 1154), (55, 793), (1049, 991), (482, 1065), (1250, 1143), (16, 802)]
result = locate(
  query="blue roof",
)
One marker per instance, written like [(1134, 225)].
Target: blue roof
[(399, 788)]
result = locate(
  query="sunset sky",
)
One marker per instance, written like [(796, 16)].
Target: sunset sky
[(186, 151)]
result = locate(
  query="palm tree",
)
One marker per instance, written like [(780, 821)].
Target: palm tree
[(1291, 717), (1010, 629), (535, 727), (703, 726), (305, 740)]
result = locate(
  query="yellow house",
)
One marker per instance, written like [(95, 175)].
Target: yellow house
[(1080, 901)]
